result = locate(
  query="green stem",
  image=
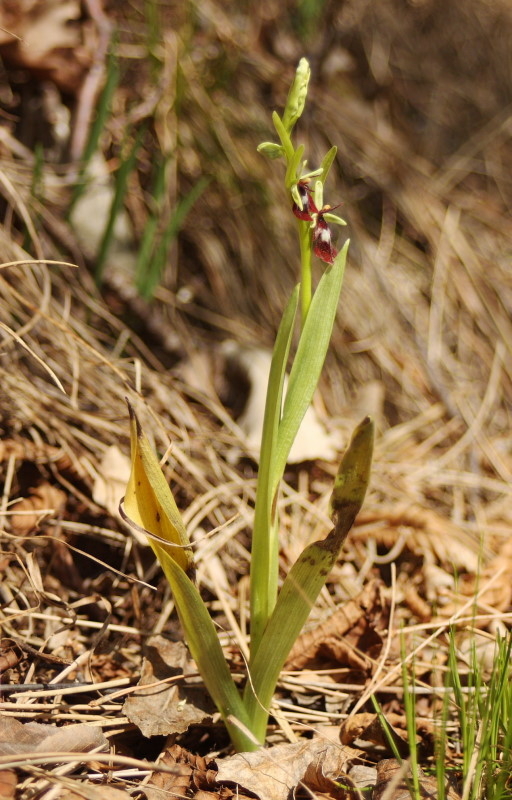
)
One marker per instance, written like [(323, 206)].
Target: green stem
[(305, 267)]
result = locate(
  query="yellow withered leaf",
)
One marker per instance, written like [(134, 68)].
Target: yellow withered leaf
[(149, 502)]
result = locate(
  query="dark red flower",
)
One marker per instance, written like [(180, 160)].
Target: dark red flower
[(322, 244), (308, 206)]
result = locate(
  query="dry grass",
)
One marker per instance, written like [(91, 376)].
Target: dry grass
[(423, 342)]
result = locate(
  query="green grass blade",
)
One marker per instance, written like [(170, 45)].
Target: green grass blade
[(441, 745), (264, 554), (37, 185), (122, 176), (159, 260), (102, 114), (306, 579), (410, 716), (461, 702), (499, 784), (154, 36), (388, 731), (310, 357), (151, 227)]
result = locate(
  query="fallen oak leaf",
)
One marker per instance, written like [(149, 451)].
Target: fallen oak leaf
[(274, 772)]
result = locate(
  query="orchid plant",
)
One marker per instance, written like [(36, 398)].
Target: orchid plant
[(277, 615)]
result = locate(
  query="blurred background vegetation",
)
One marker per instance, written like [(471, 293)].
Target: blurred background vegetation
[(196, 242)]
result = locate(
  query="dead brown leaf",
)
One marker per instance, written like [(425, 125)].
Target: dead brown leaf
[(367, 727), (347, 636), (88, 792), (428, 531), (27, 450), (274, 772), (110, 483), (35, 737), (162, 709), (189, 771), (43, 500), (498, 595), (45, 36), (10, 655), (321, 785), (8, 783), (393, 779)]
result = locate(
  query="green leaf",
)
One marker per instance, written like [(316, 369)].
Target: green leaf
[(150, 507), (264, 554), (353, 477), (307, 577), (309, 359), (149, 502), (204, 645)]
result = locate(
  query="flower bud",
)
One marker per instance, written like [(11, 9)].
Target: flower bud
[(297, 95), (271, 149)]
